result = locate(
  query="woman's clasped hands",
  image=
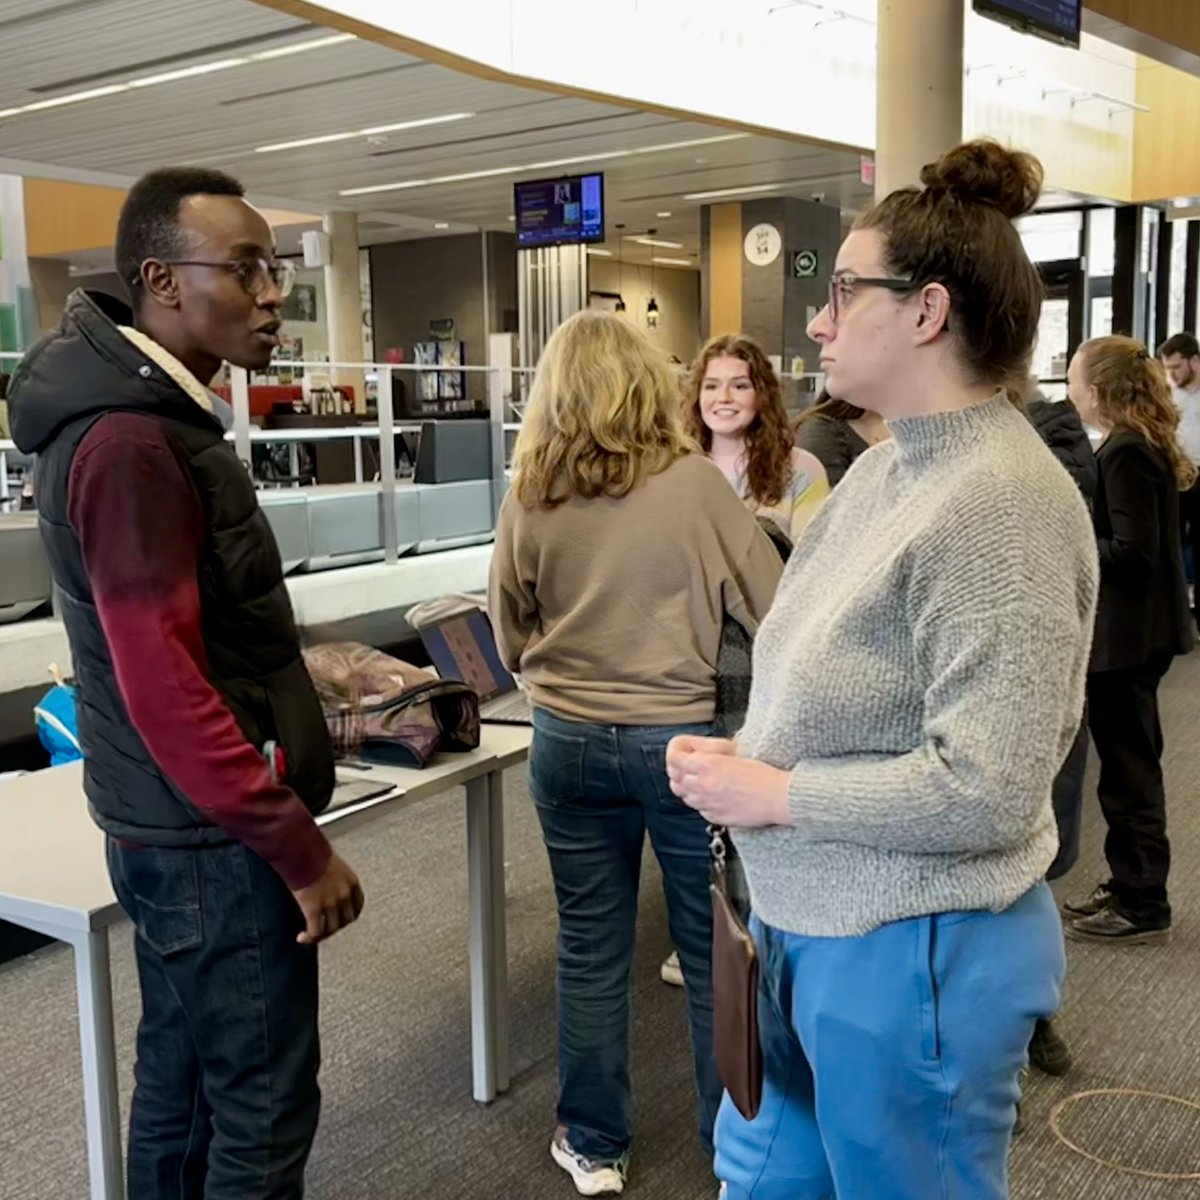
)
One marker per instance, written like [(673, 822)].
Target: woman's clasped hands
[(707, 774)]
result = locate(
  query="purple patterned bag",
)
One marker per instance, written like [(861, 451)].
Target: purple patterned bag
[(382, 709)]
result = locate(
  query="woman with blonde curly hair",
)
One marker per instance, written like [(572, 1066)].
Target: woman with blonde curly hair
[(619, 549), (735, 411), (1142, 622)]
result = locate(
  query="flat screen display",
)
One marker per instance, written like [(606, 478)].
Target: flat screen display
[(559, 212), (1057, 20)]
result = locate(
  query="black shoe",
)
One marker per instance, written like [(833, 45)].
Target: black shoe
[(1110, 925), (1098, 901), (1047, 1051)]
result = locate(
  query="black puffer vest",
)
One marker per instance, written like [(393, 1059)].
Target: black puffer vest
[(72, 378)]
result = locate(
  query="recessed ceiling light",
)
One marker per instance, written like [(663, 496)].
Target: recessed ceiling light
[(600, 253), (649, 241), (673, 262), (661, 148), (441, 224), (511, 217), (664, 214), (144, 81), (733, 191)]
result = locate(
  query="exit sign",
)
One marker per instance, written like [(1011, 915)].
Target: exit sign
[(804, 264)]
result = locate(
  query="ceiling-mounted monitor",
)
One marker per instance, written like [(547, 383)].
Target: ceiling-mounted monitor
[(559, 212), (1056, 20)]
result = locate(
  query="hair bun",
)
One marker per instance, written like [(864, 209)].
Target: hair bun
[(985, 172)]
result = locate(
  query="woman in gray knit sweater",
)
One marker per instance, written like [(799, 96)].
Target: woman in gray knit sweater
[(917, 683)]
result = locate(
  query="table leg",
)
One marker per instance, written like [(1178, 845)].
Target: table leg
[(499, 907), (358, 460), (93, 983), (489, 1032)]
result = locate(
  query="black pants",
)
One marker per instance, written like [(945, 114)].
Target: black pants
[(1123, 717), (1068, 803), (1189, 533)]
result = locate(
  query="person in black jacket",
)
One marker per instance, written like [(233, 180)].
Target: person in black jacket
[(1142, 622), (1060, 427), (206, 755)]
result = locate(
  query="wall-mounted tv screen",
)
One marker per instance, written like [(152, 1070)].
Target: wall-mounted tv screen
[(559, 212), (1057, 20)]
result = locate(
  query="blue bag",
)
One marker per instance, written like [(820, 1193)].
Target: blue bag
[(54, 716)]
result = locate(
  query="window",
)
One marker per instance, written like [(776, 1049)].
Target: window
[(1102, 242), (1178, 280), (1051, 236)]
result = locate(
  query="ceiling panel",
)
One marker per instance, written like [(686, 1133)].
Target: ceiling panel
[(49, 48)]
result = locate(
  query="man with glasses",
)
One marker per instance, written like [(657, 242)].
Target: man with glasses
[(205, 749)]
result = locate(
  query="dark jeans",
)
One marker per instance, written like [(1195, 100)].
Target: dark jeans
[(1067, 796), (225, 1101), (1123, 716), (599, 789)]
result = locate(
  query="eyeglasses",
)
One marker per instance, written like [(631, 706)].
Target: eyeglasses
[(844, 284), (256, 275)]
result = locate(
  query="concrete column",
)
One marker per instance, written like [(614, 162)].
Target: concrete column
[(918, 89), (18, 310), (343, 301)]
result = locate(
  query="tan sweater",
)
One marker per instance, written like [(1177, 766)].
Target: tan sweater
[(611, 609)]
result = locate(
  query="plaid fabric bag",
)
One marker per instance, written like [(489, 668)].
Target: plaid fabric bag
[(379, 708)]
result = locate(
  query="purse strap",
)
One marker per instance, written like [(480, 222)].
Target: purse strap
[(718, 849)]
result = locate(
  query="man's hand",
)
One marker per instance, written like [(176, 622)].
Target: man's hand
[(728, 790), (330, 902)]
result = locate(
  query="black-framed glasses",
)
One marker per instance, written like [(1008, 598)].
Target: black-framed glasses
[(256, 275), (843, 285)]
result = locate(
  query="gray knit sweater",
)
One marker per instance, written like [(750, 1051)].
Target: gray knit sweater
[(921, 675)]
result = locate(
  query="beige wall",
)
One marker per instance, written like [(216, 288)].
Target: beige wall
[(61, 218), (1165, 162), (676, 289), (1173, 24), (52, 284)]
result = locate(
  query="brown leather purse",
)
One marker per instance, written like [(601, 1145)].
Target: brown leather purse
[(735, 990)]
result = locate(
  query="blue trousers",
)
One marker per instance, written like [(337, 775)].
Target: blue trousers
[(892, 1060), (599, 789), (226, 1100)]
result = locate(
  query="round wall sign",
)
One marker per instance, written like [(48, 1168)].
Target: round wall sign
[(763, 245)]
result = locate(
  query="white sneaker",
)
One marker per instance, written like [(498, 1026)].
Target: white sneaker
[(671, 972), (590, 1179)]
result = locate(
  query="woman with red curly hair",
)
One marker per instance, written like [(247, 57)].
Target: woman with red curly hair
[(735, 411)]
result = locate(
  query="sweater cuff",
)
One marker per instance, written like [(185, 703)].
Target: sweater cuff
[(304, 859)]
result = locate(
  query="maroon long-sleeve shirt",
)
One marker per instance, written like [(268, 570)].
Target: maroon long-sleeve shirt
[(140, 525)]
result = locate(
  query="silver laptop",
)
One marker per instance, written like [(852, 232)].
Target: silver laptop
[(464, 647)]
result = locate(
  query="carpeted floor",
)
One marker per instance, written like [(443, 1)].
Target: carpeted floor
[(398, 1121)]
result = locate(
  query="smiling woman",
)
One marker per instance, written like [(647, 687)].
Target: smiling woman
[(735, 411)]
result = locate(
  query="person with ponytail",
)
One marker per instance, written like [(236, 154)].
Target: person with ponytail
[(917, 684), (837, 433), (1142, 622)]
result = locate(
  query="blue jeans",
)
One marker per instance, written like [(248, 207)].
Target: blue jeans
[(225, 1101), (598, 790), (892, 1060)]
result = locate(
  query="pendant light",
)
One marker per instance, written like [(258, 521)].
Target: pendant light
[(620, 304), (652, 305)]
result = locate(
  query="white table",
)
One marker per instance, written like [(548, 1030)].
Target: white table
[(53, 880)]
